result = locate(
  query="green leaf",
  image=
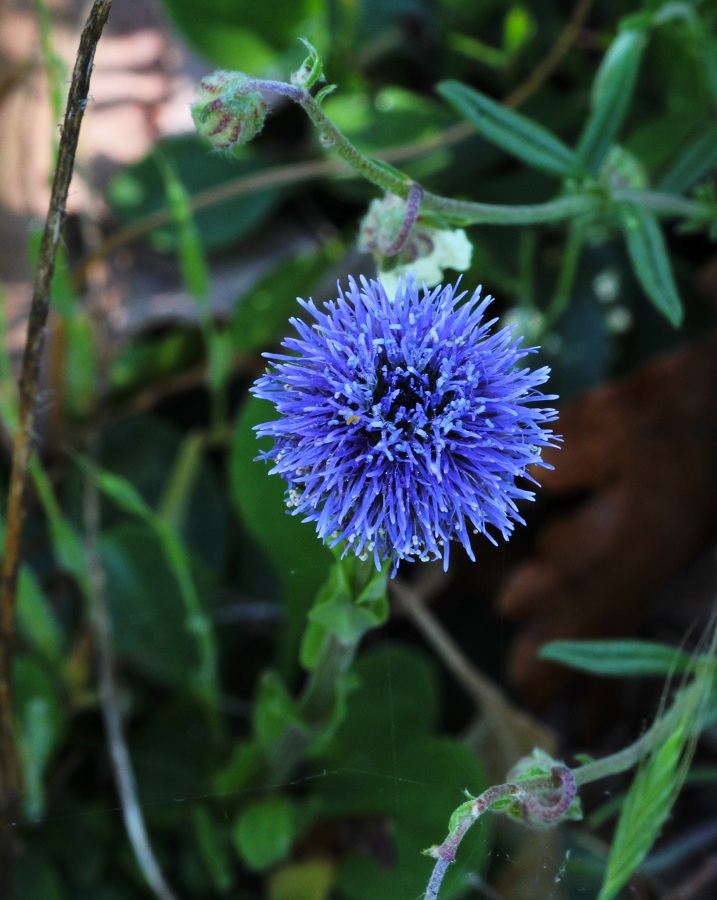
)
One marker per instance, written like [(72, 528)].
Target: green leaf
[(611, 97), (275, 711), (416, 784), (405, 681), (340, 611), (661, 775), (308, 879), (264, 832), (139, 191), (649, 256), (260, 316), (243, 767), (36, 620), (301, 560), (192, 260), (632, 658), (243, 36), (146, 606), (211, 845), (344, 619), (695, 161), (513, 132), (40, 723), (124, 494)]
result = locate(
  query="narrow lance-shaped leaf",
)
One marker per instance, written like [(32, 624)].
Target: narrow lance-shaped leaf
[(661, 776), (650, 259), (695, 161), (611, 95), (617, 657), (513, 132)]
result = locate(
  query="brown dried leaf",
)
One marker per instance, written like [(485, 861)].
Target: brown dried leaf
[(641, 456)]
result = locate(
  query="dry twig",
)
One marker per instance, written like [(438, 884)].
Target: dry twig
[(10, 772)]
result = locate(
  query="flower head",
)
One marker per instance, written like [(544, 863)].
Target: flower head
[(404, 423)]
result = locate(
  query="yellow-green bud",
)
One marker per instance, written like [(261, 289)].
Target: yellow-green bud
[(224, 115)]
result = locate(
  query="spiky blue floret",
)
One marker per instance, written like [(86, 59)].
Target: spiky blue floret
[(404, 423)]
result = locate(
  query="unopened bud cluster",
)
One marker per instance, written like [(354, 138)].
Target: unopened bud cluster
[(426, 252), (225, 115)]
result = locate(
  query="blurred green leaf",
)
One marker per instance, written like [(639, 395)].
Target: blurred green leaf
[(36, 620), (81, 363), (658, 781), (143, 451), (196, 621), (264, 832), (308, 879), (146, 361), (709, 64), (34, 875), (40, 723), (611, 97), (275, 711), (392, 116), (138, 191), (632, 658), (301, 560), (405, 680), (509, 130), (172, 755), (192, 261), (650, 259), (211, 842), (147, 610), (243, 36), (246, 761), (260, 317), (695, 161)]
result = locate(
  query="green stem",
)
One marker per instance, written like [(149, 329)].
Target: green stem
[(316, 706), (616, 763), (658, 202), (630, 756), (466, 212), (566, 280), (393, 181), (351, 602)]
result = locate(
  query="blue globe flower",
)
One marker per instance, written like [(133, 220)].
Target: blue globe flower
[(404, 423)]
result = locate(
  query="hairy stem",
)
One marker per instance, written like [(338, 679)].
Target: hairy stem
[(10, 774), (316, 705)]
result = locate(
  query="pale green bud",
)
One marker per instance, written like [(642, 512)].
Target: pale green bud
[(225, 116), (426, 252)]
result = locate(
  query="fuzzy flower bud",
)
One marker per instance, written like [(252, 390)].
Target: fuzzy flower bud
[(426, 252), (226, 116)]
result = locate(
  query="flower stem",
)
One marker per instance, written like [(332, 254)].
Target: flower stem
[(465, 212), (353, 585), (566, 280), (526, 790), (316, 705), (393, 181)]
